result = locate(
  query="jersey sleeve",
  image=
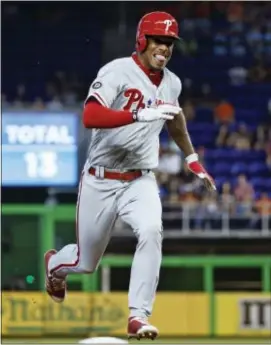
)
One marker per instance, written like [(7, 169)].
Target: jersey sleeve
[(105, 87)]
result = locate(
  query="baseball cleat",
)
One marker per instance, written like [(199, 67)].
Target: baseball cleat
[(139, 328), (55, 286)]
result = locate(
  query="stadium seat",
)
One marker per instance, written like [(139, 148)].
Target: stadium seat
[(221, 169), (238, 168), (257, 169), (258, 183)]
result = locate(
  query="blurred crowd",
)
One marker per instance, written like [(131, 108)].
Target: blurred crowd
[(61, 91), (222, 29), (236, 198), (241, 28)]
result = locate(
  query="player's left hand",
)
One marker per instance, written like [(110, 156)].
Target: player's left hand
[(169, 109), (196, 168)]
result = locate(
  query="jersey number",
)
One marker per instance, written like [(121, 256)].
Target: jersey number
[(134, 97)]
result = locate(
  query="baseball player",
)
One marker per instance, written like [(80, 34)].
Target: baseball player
[(127, 106)]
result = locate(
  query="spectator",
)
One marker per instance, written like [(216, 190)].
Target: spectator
[(207, 213), (231, 140), (20, 97), (188, 184), (224, 112), (219, 9), (206, 91), (244, 190), (4, 101), (257, 73), (188, 88), (189, 199), (222, 136), (261, 210), (190, 47), (55, 104), (237, 75), (170, 160), (243, 131), (263, 205), (173, 187), (269, 108), (260, 138), (242, 143), (243, 211), (220, 43), (268, 161), (50, 90), (69, 97), (38, 104), (18, 104), (260, 134), (21, 92), (235, 11), (237, 44), (267, 42), (255, 39), (60, 80), (226, 198), (243, 140), (201, 153), (189, 110), (239, 139)]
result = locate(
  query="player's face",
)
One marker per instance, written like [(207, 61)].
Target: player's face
[(158, 52)]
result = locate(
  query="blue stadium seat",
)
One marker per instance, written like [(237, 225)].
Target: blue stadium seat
[(257, 168), (220, 169), (238, 168), (258, 183)]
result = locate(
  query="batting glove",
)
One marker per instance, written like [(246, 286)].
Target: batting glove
[(197, 169), (165, 112)]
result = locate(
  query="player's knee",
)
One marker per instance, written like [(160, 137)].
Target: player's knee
[(151, 232)]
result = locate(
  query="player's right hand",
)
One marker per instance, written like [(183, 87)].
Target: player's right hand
[(163, 112)]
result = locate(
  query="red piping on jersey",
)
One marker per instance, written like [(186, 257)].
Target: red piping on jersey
[(100, 99), (155, 76), (95, 115)]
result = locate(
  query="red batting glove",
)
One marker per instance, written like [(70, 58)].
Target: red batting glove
[(197, 169)]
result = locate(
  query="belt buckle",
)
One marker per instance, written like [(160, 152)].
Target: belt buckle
[(99, 172)]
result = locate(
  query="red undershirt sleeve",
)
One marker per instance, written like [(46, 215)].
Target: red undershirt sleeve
[(97, 116)]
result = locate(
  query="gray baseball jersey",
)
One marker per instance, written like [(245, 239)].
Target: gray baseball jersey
[(122, 84)]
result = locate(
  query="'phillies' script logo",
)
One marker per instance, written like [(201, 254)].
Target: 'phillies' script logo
[(136, 100), (135, 97)]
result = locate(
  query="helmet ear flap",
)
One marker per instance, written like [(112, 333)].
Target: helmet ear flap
[(141, 44)]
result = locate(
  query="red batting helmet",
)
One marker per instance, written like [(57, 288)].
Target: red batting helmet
[(155, 24)]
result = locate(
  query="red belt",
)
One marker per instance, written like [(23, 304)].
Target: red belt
[(114, 175)]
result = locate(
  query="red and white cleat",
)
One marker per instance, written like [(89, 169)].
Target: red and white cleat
[(139, 328), (56, 287)]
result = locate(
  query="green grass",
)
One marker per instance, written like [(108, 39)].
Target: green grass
[(158, 341)]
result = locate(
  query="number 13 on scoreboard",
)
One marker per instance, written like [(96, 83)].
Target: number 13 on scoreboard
[(41, 164)]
